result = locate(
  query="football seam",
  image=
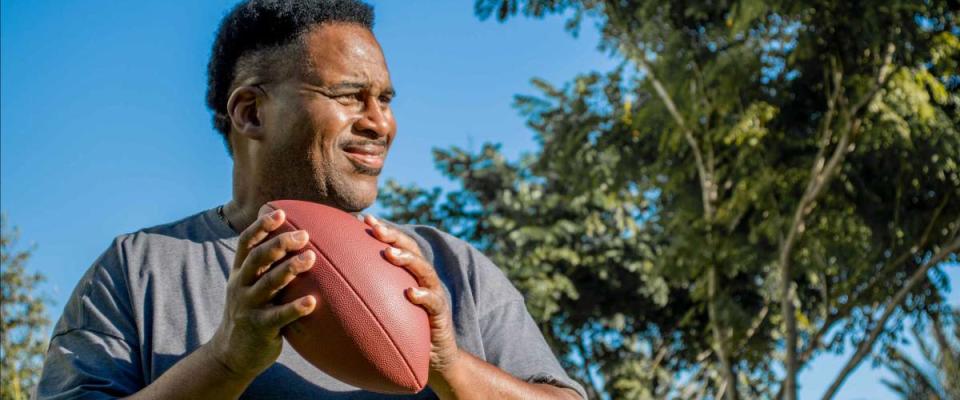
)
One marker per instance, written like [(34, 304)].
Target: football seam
[(365, 307)]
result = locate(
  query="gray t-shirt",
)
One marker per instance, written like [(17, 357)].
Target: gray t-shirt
[(158, 294)]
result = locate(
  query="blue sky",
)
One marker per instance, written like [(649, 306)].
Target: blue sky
[(103, 128)]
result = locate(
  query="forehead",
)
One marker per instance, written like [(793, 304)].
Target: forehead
[(342, 51)]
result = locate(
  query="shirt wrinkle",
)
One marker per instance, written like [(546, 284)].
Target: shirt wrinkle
[(91, 330)]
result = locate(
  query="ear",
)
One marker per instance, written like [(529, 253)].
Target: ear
[(243, 107)]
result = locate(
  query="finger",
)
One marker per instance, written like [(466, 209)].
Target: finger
[(269, 252), (277, 317), (391, 236), (267, 222), (425, 274), (280, 276), (431, 300)]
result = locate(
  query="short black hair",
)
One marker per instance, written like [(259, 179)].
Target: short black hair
[(255, 26)]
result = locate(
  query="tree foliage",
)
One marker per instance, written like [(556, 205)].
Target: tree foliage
[(937, 375), (755, 184), (23, 318)]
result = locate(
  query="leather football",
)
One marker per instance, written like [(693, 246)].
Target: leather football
[(363, 331)]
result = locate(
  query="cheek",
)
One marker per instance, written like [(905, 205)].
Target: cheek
[(287, 125), (330, 118), (327, 125)]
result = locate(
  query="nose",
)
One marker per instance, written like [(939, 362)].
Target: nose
[(376, 121)]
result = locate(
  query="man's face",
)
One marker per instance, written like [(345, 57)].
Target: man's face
[(327, 128)]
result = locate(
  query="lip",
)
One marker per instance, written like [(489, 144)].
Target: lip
[(370, 156)]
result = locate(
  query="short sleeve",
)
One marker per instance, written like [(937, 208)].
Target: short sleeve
[(513, 342), (94, 350)]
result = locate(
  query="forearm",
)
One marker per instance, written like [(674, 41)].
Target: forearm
[(472, 378), (198, 376)]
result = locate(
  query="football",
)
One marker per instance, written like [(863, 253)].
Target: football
[(363, 331)]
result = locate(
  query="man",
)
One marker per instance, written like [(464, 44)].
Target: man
[(301, 92)]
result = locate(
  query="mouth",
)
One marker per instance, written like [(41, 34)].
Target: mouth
[(366, 156)]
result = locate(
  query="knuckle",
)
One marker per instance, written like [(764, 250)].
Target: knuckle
[(245, 236), (272, 250), (297, 266), (398, 253), (287, 239), (243, 318), (278, 317), (243, 296), (256, 255), (266, 318), (295, 239), (245, 245), (284, 275), (276, 253), (271, 318), (265, 210), (425, 269), (274, 278), (250, 235)]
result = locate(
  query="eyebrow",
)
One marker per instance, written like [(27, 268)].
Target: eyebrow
[(358, 85)]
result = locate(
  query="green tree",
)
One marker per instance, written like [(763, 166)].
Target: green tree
[(755, 184), (938, 376), (23, 316)]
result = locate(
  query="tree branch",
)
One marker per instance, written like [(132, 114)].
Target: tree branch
[(819, 178), (878, 81), (826, 127), (730, 379), (754, 326), (875, 279), (708, 196), (706, 180), (867, 344)]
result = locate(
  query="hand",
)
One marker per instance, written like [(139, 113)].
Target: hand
[(454, 374), (248, 339), (405, 253)]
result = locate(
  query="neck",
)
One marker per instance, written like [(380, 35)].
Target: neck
[(244, 208), (238, 217)]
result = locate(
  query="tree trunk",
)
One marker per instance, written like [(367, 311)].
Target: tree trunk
[(719, 338)]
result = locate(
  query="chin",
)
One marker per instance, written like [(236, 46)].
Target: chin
[(353, 206), (357, 198)]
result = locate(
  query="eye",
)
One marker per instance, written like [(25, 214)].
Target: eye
[(348, 98), (386, 98)]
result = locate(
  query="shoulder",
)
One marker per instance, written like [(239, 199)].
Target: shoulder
[(163, 248), (438, 245), (435, 239), (196, 228), (110, 293)]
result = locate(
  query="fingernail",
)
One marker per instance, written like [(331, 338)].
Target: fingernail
[(307, 301), (300, 236), (374, 220), (305, 256), (396, 252), (417, 292), (275, 215)]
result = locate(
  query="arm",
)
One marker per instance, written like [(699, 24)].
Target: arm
[(198, 376), (248, 339), (472, 378), (454, 373), (94, 353)]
